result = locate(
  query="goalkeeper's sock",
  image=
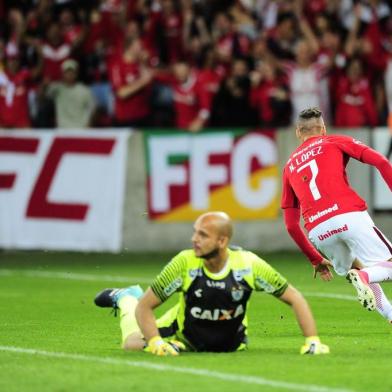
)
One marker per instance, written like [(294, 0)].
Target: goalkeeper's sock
[(383, 306), (128, 323), (380, 272)]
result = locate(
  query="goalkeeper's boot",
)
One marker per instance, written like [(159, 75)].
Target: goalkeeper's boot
[(365, 293), (109, 298)]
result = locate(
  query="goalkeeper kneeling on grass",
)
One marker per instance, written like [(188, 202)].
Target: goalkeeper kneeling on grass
[(214, 284)]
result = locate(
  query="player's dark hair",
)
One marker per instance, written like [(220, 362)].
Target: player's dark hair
[(310, 122), (309, 113)]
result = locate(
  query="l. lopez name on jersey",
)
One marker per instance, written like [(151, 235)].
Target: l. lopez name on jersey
[(300, 159)]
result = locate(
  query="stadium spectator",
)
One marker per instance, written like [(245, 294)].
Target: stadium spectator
[(192, 95), (37, 21), (210, 75), (313, 40), (306, 77), (354, 100), (196, 34), (55, 51), (73, 32), (150, 30), (15, 84), (228, 42), (332, 57), (113, 22), (364, 19), (130, 78), (214, 284), (260, 52), (232, 106), (282, 38), (366, 40), (15, 26), (244, 19), (73, 100), (94, 67), (93, 44), (270, 96), (171, 21), (315, 183)]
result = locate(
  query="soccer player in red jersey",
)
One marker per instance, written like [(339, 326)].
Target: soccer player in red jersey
[(315, 184)]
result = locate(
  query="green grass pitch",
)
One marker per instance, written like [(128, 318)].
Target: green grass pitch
[(54, 339)]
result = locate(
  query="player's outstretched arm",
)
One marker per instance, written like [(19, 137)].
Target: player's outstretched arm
[(145, 315), (374, 158), (305, 320), (148, 326), (320, 264), (291, 219)]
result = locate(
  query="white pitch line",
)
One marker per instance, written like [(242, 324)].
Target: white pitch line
[(330, 295), (228, 377), (73, 276)]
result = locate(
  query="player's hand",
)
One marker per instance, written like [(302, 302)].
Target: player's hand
[(178, 346), (324, 270), (313, 346), (158, 346)]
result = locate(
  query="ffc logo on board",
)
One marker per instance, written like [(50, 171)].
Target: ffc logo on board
[(39, 205), (232, 171)]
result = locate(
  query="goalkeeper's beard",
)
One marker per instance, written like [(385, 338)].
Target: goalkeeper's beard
[(210, 255)]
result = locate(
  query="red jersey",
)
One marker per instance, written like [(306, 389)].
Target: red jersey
[(53, 58), (262, 96), (191, 99), (95, 33), (14, 107), (355, 104), (315, 179), (209, 81), (135, 106)]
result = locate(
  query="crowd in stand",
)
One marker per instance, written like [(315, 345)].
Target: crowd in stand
[(192, 64)]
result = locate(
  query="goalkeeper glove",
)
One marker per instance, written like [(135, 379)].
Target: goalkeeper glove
[(178, 346), (313, 346), (158, 346)]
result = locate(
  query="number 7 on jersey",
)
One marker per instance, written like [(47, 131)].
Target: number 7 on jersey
[(312, 183)]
